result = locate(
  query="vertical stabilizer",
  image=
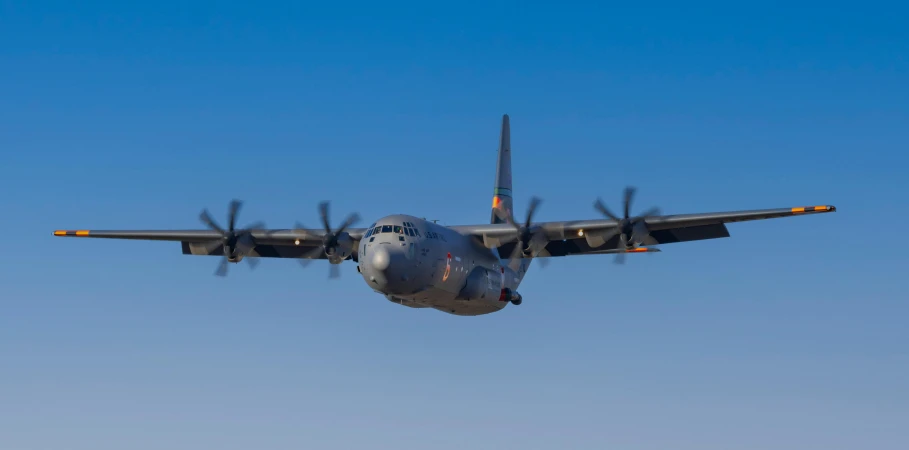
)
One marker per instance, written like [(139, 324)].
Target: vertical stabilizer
[(501, 196)]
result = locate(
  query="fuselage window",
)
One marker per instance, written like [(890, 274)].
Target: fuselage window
[(401, 238), (417, 232), (386, 228), (372, 239)]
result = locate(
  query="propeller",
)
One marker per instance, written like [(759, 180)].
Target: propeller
[(236, 244), (332, 241), (525, 234), (631, 230)]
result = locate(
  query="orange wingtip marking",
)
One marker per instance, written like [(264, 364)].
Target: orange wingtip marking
[(821, 208), (637, 250), (82, 233), (798, 210), (59, 233)]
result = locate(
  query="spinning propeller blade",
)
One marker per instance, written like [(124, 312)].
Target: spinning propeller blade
[(627, 225), (235, 244), (331, 239)]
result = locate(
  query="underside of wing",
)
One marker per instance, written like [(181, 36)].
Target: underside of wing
[(579, 245), (285, 243), (253, 240), (303, 251), (618, 235)]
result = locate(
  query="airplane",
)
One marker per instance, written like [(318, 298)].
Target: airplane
[(465, 270)]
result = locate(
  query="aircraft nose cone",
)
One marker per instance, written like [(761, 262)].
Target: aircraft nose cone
[(388, 271), (381, 259)]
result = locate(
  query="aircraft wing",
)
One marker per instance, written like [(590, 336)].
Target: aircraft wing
[(278, 243), (602, 236)]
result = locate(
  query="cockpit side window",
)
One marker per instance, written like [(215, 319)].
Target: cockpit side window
[(398, 229), (409, 231), (386, 228)]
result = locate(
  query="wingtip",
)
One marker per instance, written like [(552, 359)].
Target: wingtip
[(816, 209), (79, 233)]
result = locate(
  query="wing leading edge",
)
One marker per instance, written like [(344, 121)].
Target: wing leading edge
[(269, 237), (564, 238)]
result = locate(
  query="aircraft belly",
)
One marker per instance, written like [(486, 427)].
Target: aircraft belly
[(460, 308)]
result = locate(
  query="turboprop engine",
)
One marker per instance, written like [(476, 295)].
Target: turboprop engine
[(337, 244)]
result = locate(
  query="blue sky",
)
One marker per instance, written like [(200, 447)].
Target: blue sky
[(790, 334)]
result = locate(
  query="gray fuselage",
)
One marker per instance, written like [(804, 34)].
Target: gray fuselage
[(421, 264)]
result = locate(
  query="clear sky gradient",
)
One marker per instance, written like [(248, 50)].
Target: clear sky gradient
[(791, 334)]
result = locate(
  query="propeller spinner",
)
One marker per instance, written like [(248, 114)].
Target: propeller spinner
[(631, 230), (236, 244)]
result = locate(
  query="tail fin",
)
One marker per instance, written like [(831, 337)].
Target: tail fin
[(501, 197)]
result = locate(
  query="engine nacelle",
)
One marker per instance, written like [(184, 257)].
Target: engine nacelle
[(342, 250), (639, 233), (236, 248), (481, 284)]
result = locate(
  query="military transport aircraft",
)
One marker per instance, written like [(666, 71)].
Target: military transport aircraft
[(464, 270)]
